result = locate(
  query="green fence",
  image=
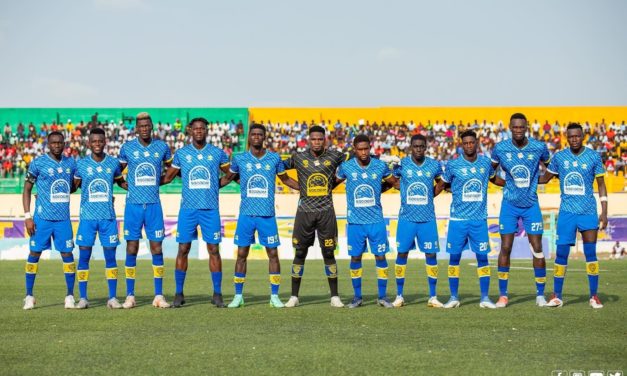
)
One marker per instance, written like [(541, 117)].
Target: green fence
[(37, 116)]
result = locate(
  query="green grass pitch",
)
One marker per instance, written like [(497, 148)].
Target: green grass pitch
[(313, 338)]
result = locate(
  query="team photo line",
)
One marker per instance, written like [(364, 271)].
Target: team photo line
[(516, 164)]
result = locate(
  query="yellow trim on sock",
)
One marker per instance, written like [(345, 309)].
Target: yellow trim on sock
[(483, 271), (592, 268), (432, 271), (69, 267), (111, 273), (296, 269), (399, 271), (453, 271), (157, 271), (82, 275), (239, 279), (275, 279), (559, 270), (332, 270), (130, 272), (31, 268), (503, 275), (382, 273), (540, 279), (356, 273)]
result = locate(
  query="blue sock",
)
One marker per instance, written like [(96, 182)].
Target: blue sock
[(356, 272), (559, 271), (432, 274), (157, 272), (130, 264), (32, 264), (382, 277), (453, 274), (216, 278), (69, 269), (111, 271), (275, 283), (239, 280), (483, 272), (540, 276), (399, 272), (83, 271), (179, 279), (503, 272), (592, 266)]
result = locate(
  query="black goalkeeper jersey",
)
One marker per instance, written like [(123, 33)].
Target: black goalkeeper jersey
[(316, 177)]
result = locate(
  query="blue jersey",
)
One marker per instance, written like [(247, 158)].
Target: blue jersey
[(200, 172), (97, 180), (144, 169), (469, 185), (363, 189), (577, 174), (417, 188), (522, 167), (257, 178), (53, 181)]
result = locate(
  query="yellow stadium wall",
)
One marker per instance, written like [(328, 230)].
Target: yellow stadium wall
[(422, 114)]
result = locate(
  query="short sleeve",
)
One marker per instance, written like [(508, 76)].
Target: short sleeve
[(289, 162), (554, 166), (118, 171), (77, 175), (599, 170), (398, 170), (122, 156), (340, 171), (33, 169), (545, 156), (495, 158), (167, 155), (176, 161), (386, 171), (280, 167), (224, 159), (447, 175), (234, 166), (438, 170), (492, 170)]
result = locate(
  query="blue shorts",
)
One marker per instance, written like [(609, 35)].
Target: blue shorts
[(59, 231), (531, 217), (568, 224), (462, 232), (375, 233), (107, 230), (207, 219), (424, 234), (147, 216), (265, 226)]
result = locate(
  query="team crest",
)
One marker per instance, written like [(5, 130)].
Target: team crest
[(136, 154), (249, 167), (209, 157), (566, 164), (509, 156), (305, 163), (575, 164), (146, 154), (267, 167), (584, 166), (50, 172), (199, 157), (465, 171), (60, 170), (108, 170), (354, 175), (327, 163), (473, 170), (188, 158), (258, 165), (67, 170), (156, 155), (90, 170), (410, 173), (530, 157), (482, 170), (419, 173), (374, 176), (520, 155), (99, 169), (428, 174)]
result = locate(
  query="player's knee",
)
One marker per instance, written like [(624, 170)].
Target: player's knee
[(66, 254), (328, 253), (273, 253), (301, 253), (213, 250), (355, 258)]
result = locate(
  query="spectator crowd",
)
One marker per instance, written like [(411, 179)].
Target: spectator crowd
[(390, 141), (18, 148)]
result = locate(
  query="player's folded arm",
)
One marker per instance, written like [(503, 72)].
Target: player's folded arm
[(548, 175), (169, 175)]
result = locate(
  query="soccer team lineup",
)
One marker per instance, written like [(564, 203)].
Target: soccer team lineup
[(518, 164)]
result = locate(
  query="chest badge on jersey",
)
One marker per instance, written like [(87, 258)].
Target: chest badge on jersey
[(417, 194), (317, 185)]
